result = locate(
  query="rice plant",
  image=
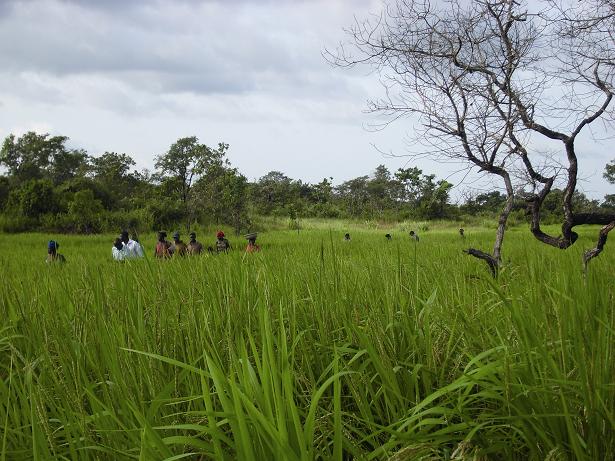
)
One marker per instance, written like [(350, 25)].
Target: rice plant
[(313, 348)]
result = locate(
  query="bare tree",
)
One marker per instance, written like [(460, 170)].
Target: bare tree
[(588, 25), (587, 32), (486, 78)]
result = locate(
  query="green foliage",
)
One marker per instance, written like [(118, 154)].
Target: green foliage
[(165, 213), (195, 185), (85, 212), (434, 198), (491, 202), (273, 192), (33, 156), (34, 198), (13, 223), (322, 192), (66, 165), (609, 202), (221, 195), (552, 210), (99, 190), (5, 188), (185, 161), (112, 168), (411, 184), (609, 172), (311, 349), (233, 199), (133, 220), (112, 172), (409, 193), (354, 196), (609, 175)]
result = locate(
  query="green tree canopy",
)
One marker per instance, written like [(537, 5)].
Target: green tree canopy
[(185, 161), (609, 172), (34, 198), (33, 155)]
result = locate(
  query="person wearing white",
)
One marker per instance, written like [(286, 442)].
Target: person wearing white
[(117, 251), (132, 248)]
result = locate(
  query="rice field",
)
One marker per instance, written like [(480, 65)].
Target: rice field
[(313, 348)]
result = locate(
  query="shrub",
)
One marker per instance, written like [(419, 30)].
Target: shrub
[(85, 211), (14, 223)]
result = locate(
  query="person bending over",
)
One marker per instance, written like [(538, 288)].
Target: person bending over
[(52, 253)]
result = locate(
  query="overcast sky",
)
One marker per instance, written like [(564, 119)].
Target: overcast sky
[(133, 76)]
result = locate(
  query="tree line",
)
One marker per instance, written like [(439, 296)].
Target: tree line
[(49, 186), (485, 79)]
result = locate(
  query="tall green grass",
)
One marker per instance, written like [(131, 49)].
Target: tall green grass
[(312, 349)]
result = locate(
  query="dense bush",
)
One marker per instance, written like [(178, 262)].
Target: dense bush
[(50, 187)]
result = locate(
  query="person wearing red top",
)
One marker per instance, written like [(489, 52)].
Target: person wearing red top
[(163, 247), (252, 246)]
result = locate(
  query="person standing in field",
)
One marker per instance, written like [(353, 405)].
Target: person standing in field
[(462, 232), (194, 247), (252, 246), (162, 250), (178, 248), (132, 248), (52, 253), (388, 237), (414, 236), (346, 237), (118, 250), (222, 244)]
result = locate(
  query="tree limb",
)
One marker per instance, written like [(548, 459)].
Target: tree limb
[(490, 260), (602, 236)]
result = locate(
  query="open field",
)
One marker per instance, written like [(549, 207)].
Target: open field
[(312, 349)]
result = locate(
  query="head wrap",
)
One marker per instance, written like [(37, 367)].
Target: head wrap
[(220, 234), (53, 245)]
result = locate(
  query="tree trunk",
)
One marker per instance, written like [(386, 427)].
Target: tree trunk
[(602, 236), (494, 260), (490, 260)]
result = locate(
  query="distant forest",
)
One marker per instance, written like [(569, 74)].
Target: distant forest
[(47, 186)]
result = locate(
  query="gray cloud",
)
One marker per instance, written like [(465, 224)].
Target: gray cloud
[(196, 46)]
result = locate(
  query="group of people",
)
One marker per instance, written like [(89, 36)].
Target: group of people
[(166, 249), (413, 235), (177, 248), (128, 247)]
